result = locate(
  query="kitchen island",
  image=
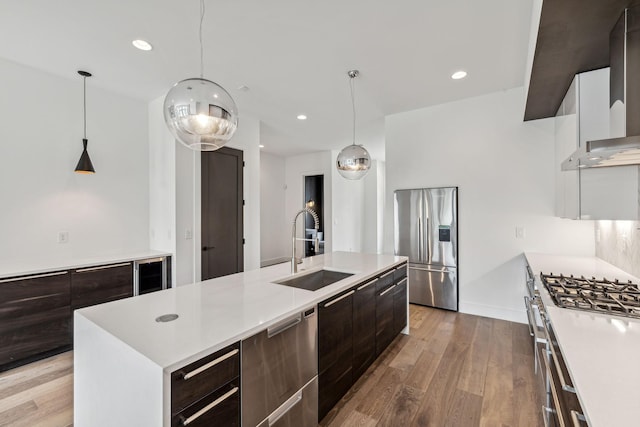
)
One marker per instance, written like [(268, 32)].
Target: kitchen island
[(600, 350), (124, 358)]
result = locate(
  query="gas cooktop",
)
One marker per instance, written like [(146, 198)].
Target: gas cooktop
[(600, 295)]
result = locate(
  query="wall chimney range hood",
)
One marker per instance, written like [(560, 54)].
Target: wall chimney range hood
[(623, 148)]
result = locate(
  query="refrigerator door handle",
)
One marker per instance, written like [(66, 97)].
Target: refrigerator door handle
[(419, 238), (431, 270)]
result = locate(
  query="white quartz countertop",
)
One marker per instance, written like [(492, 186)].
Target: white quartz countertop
[(215, 313), (23, 267), (601, 351)]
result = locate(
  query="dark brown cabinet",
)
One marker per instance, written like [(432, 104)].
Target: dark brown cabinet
[(207, 392), (354, 327), (364, 332), (35, 317), (97, 285), (335, 350), (400, 306), (384, 312)]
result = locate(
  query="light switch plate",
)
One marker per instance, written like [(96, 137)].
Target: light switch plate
[(520, 232)]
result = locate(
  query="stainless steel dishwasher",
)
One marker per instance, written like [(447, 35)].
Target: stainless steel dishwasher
[(279, 374)]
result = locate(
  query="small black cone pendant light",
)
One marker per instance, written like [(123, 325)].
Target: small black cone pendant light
[(84, 164)]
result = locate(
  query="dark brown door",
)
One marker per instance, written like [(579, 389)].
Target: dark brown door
[(222, 228)]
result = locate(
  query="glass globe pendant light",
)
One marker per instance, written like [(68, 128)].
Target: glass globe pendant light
[(198, 112), (354, 161)]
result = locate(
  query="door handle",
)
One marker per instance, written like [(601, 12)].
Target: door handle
[(206, 248), (283, 326)]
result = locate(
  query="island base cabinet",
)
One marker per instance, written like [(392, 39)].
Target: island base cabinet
[(301, 410), (364, 332), (384, 318), (221, 408), (400, 306)]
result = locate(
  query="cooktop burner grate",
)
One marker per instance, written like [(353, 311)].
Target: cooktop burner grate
[(600, 295)]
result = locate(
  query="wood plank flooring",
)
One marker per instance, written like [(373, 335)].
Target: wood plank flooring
[(453, 370), (39, 394)]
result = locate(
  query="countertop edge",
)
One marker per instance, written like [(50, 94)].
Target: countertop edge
[(330, 291), (58, 265)]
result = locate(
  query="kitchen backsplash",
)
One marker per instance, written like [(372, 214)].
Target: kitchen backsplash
[(618, 243)]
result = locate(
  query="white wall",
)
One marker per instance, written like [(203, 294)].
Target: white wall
[(373, 215), (41, 142), (348, 211), (247, 139), (296, 168), (504, 168), (274, 225)]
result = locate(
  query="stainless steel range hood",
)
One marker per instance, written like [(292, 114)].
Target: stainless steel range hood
[(623, 148)]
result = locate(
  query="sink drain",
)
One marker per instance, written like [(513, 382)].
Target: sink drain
[(166, 318)]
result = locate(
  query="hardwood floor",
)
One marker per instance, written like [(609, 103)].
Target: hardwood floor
[(38, 394), (453, 370)]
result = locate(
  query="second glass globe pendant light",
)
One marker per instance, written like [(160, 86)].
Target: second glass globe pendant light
[(354, 161), (200, 113)]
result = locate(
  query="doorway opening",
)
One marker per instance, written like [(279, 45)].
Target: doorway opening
[(314, 199)]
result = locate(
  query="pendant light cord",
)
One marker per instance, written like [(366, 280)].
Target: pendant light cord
[(201, 48), (353, 106), (84, 104)]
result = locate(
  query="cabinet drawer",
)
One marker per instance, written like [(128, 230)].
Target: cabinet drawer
[(220, 408), (97, 285), (400, 273), (385, 280), (364, 329), (384, 319), (301, 410), (35, 316), (200, 378), (400, 306)]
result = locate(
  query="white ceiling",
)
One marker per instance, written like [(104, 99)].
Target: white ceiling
[(292, 54)]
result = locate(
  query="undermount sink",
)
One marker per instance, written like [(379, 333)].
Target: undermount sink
[(314, 281)]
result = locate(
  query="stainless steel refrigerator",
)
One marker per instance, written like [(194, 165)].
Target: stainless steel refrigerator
[(426, 231)]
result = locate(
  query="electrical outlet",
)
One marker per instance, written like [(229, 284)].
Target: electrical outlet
[(520, 232), (188, 234), (63, 237)]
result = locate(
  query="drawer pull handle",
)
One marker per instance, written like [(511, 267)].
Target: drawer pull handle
[(15, 279), (277, 329), (367, 284), (210, 364), (563, 382), (210, 406), (527, 306), (402, 267), (386, 274), (103, 267), (546, 411), (330, 303), (577, 418), (402, 281), (387, 290), (286, 407)]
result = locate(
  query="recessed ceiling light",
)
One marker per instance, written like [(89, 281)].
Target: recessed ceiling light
[(302, 117), (459, 75), (142, 44), (261, 146)]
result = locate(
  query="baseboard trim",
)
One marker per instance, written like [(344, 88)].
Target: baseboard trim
[(273, 261), (519, 316)]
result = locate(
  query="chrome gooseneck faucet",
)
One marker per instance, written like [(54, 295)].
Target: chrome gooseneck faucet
[(294, 260)]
